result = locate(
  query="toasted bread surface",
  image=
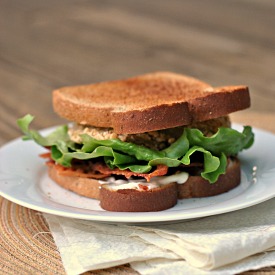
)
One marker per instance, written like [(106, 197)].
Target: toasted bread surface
[(86, 187), (148, 102), (131, 200)]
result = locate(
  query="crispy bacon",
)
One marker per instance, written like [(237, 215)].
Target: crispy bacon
[(46, 155), (159, 171), (99, 170), (143, 187)]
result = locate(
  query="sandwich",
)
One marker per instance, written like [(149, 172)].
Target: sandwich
[(143, 143)]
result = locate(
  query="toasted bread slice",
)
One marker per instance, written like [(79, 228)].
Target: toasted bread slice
[(148, 102), (131, 200), (86, 187)]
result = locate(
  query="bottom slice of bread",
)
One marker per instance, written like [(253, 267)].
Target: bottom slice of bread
[(86, 187), (198, 187), (131, 200), (157, 199)]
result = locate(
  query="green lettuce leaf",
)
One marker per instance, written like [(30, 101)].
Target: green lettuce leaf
[(126, 155), (140, 152), (226, 140), (60, 133), (213, 166)]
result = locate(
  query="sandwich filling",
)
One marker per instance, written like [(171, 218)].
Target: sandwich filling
[(202, 148), (142, 185), (156, 140)]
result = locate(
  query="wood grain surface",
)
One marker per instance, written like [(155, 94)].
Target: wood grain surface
[(48, 44)]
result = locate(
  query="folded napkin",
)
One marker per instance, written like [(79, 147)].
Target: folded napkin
[(223, 244)]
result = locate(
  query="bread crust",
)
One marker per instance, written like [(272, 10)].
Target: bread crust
[(86, 187), (224, 100), (148, 102), (129, 200), (198, 187), (153, 118)]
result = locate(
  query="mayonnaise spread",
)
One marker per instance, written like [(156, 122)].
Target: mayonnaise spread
[(142, 184)]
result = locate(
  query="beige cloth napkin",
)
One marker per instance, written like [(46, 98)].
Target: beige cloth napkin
[(222, 244)]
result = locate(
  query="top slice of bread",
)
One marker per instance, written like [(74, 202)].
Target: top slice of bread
[(148, 102)]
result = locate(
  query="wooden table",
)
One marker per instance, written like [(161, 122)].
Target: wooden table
[(48, 44)]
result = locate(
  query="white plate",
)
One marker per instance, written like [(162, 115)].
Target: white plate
[(24, 180)]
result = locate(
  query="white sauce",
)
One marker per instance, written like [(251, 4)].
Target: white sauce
[(179, 178), (142, 184)]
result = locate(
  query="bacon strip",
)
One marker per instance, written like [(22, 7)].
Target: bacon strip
[(159, 171), (46, 155), (98, 170)]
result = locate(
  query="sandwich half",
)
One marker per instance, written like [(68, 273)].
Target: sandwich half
[(142, 143)]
